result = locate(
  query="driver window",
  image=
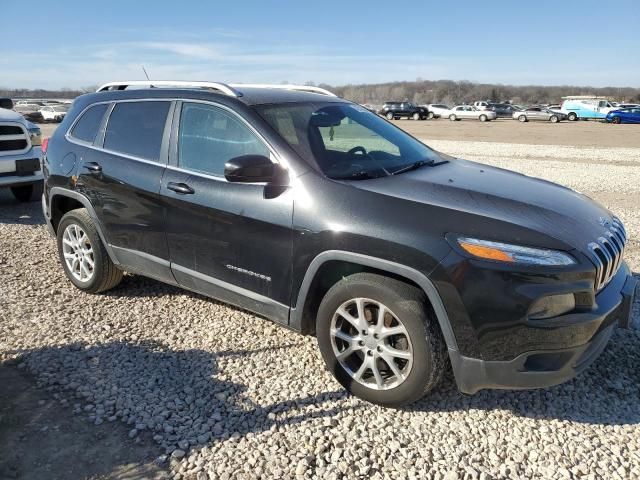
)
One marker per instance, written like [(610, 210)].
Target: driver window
[(210, 136), (341, 138)]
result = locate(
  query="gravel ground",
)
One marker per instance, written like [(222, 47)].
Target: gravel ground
[(222, 393)]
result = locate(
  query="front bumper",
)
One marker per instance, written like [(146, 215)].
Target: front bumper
[(11, 176), (545, 368)]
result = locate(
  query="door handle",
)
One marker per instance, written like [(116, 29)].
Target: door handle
[(181, 188), (93, 167)]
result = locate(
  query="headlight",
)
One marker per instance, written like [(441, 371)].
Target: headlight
[(36, 136), (507, 253)]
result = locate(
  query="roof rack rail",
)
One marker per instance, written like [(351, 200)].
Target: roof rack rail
[(221, 87), (300, 88)]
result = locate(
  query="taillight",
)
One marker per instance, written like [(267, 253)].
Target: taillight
[(45, 144)]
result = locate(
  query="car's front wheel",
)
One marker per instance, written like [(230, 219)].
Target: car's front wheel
[(416, 116), (572, 117), (522, 118), (82, 254), (452, 117), (389, 116), (430, 115), (616, 120), (380, 339), (483, 118), (554, 119)]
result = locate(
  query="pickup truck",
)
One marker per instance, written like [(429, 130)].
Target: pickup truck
[(20, 154)]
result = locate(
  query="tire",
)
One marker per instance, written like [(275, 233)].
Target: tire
[(104, 275), (389, 116), (421, 341), (554, 119), (23, 193), (617, 120), (430, 116), (572, 117), (452, 117), (482, 118), (522, 118)]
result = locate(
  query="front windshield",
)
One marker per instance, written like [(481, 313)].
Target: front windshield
[(345, 140)]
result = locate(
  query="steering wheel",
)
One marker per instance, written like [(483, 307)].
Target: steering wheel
[(342, 167)]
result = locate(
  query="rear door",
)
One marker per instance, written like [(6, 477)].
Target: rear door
[(232, 241), (121, 174)]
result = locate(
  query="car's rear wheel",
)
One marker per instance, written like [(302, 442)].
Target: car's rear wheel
[(572, 116), (82, 254), (430, 116), (617, 120), (416, 116), (389, 116), (483, 118), (522, 118), (554, 119), (452, 117), (380, 340)]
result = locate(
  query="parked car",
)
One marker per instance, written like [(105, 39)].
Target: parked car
[(395, 110), (462, 112), (627, 105), (20, 154), (313, 212), (624, 115), (436, 110), (53, 113), (586, 107), (538, 113), (482, 104), (6, 103), (502, 110), (30, 111)]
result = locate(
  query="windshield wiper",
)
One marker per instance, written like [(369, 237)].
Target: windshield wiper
[(413, 166), (361, 175)]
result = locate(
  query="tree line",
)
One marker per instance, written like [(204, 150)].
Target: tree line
[(419, 91), (457, 92)]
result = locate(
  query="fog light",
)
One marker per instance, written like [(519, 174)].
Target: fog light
[(552, 306)]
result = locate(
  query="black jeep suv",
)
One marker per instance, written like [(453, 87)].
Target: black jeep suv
[(320, 215), (395, 110)]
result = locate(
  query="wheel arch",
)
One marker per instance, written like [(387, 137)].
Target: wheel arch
[(63, 200), (329, 267)]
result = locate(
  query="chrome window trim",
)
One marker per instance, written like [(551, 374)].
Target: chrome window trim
[(274, 157)]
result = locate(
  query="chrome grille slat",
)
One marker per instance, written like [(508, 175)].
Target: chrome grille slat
[(607, 253)]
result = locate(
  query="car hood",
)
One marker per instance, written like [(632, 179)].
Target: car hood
[(497, 194), (10, 116)]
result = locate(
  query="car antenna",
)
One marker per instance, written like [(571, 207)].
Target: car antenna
[(145, 72)]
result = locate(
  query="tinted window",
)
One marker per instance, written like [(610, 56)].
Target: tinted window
[(209, 137), (136, 128), (86, 128)]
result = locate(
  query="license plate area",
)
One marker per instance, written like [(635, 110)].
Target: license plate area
[(27, 166)]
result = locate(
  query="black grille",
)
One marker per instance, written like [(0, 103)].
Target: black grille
[(10, 130), (9, 145), (608, 251)]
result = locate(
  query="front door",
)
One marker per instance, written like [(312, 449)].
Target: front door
[(231, 241), (121, 175)]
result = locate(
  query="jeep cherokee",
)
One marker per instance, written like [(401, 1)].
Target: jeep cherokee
[(319, 215)]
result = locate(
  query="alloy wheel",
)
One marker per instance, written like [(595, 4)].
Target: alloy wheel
[(78, 252), (371, 343)]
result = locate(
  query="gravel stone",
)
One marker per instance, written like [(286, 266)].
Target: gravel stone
[(226, 394)]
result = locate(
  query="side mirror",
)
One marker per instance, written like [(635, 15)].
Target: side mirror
[(254, 169)]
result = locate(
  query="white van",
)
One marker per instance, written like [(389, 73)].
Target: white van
[(586, 107)]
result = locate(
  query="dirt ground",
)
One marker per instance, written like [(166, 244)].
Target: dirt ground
[(577, 134), (41, 440)]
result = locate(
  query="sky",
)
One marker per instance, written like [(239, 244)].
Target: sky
[(75, 44)]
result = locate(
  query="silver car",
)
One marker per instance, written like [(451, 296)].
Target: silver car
[(538, 113), (461, 112)]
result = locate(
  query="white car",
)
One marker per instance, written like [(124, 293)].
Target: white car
[(462, 112), (53, 113), (437, 110), (20, 155), (482, 105)]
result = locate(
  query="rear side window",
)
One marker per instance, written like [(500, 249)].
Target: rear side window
[(209, 137), (136, 128), (87, 127)]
